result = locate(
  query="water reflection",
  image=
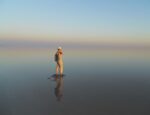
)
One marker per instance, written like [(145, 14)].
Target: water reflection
[(59, 88)]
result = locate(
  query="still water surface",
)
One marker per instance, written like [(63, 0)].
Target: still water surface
[(101, 82)]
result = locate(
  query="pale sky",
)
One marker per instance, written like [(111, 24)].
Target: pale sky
[(75, 20)]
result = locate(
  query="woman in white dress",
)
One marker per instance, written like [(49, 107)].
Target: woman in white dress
[(59, 61)]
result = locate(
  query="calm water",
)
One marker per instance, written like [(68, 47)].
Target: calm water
[(102, 82)]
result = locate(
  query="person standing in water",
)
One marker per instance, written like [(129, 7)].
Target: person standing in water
[(59, 61)]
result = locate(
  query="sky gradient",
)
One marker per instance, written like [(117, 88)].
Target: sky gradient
[(75, 21)]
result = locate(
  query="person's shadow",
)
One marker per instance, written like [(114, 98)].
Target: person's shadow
[(59, 88)]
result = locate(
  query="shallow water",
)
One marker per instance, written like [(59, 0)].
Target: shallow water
[(101, 82)]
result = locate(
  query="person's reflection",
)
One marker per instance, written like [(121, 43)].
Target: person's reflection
[(59, 88)]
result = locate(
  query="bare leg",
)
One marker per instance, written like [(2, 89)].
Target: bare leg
[(57, 68), (61, 69)]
